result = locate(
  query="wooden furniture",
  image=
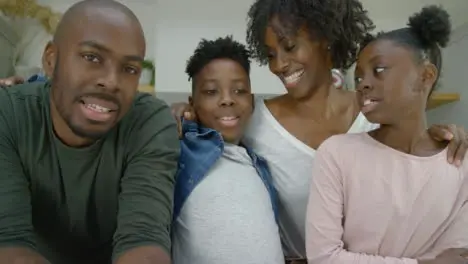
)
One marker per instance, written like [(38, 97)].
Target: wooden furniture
[(438, 99), (147, 89)]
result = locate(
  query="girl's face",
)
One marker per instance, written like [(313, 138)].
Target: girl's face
[(392, 85), (300, 62)]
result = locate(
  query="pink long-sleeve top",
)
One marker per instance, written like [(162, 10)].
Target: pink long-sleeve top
[(372, 204)]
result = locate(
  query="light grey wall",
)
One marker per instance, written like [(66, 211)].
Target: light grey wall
[(454, 79), (8, 40)]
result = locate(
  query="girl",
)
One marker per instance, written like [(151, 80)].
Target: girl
[(389, 196)]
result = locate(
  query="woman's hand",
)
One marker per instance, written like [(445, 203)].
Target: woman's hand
[(10, 81), (182, 110), (458, 138)]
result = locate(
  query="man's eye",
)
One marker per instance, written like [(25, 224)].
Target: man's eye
[(91, 58)]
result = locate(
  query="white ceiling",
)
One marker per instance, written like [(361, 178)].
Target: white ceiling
[(395, 13)]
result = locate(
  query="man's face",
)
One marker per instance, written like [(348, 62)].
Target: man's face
[(222, 98), (95, 71)]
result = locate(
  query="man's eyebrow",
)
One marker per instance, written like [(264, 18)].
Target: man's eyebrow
[(103, 48)]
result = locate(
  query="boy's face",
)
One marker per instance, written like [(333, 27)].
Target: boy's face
[(222, 98)]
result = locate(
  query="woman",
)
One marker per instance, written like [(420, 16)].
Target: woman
[(397, 201), (301, 41)]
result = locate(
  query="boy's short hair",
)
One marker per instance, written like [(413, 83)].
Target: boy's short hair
[(220, 48)]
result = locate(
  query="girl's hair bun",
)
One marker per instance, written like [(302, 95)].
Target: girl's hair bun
[(432, 25)]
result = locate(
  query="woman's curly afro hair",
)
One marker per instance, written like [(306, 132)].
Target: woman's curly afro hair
[(342, 23)]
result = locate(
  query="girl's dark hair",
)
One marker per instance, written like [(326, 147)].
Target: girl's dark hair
[(428, 31), (342, 23)]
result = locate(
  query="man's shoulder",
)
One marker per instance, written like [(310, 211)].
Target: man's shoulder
[(149, 120), (23, 102), (23, 93), (147, 110)]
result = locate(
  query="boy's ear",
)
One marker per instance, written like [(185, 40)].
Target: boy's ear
[(190, 100)]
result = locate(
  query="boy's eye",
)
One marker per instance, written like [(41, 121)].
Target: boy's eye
[(211, 91), (357, 79), (240, 91)]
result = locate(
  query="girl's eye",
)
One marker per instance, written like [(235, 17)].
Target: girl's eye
[(379, 69)]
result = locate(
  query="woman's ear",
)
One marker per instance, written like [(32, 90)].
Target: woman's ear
[(49, 60), (190, 101)]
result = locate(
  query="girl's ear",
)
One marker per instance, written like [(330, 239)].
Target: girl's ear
[(430, 74)]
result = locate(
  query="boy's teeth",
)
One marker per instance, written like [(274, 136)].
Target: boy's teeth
[(368, 101), (97, 108), (228, 118), (293, 77)]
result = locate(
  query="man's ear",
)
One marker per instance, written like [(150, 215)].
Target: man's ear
[(49, 59), (429, 75)]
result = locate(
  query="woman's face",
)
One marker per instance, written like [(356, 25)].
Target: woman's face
[(301, 63)]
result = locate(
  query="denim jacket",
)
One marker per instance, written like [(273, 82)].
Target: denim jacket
[(200, 149)]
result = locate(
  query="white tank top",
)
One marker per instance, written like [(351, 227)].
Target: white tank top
[(290, 162)]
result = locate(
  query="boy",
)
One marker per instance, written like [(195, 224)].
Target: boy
[(224, 200)]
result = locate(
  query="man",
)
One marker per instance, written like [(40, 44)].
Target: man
[(87, 163), (225, 202)]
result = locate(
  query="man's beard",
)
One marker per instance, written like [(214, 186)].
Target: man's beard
[(57, 96)]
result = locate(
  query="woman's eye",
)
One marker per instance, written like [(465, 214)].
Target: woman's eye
[(290, 47)]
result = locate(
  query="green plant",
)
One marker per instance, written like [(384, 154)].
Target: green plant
[(149, 65)]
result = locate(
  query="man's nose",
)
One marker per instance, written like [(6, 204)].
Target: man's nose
[(109, 79)]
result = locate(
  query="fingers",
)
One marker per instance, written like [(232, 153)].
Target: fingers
[(178, 109), (452, 150), (188, 115), (441, 132), (458, 145), (11, 81), (460, 153), (184, 110)]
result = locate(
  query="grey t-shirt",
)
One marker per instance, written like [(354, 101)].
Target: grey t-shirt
[(228, 218)]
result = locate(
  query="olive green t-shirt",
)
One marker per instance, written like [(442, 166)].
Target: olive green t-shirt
[(85, 205)]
